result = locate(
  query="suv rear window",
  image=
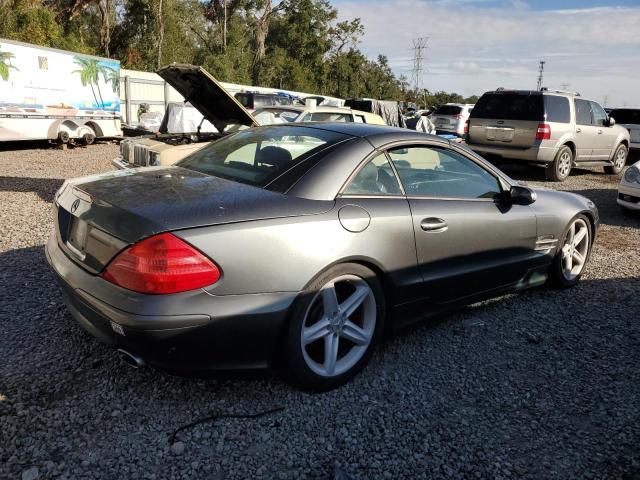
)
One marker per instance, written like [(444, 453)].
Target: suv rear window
[(557, 109), (510, 106), (629, 116), (448, 110)]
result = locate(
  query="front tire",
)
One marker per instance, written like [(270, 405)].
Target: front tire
[(619, 161), (334, 327), (559, 169), (575, 250)]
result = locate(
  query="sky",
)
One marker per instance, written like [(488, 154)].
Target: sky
[(589, 46)]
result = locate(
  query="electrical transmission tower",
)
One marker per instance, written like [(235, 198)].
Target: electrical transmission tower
[(419, 45), (540, 73)]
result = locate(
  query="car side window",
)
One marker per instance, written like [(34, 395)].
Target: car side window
[(599, 115), (583, 112), (439, 172), (375, 178), (556, 109)]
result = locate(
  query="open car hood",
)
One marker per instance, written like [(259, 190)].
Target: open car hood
[(207, 95)]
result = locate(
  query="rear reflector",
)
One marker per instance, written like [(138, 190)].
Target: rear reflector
[(543, 132), (161, 264)]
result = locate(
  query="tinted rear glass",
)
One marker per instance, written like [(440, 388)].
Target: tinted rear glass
[(257, 156), (626, 115), (448, 110), (557, 109), (510, 106)]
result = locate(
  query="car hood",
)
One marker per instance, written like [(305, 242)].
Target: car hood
[(137, 203), (207, 95)]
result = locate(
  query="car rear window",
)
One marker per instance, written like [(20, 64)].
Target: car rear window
[(557, 109), (448, 110), (510, 106), (629, 116), (259, 155)]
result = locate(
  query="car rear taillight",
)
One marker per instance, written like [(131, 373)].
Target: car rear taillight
[(543, 132), (161, 264), (466, 127)]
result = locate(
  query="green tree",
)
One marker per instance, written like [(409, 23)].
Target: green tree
[(5, 65)]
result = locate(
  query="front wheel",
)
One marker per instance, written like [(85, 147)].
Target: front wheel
[(619, 161), (559, 169), (336, 323), (574, 252)]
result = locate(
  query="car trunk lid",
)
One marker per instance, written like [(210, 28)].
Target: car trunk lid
[(508, 119), (207, 95), (98, 216)]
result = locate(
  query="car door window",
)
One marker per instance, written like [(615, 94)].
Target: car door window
[(375, 178), (599, 115), (583, 112), (442, 173)]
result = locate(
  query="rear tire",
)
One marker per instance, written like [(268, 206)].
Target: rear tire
[(559, 169), (619, 160), (63, 137), (335, 325), (88, 138)]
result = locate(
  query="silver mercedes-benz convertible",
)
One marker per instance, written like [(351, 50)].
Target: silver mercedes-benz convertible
[(296, 245)]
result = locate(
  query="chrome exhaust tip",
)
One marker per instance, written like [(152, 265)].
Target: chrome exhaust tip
[(130, 359)]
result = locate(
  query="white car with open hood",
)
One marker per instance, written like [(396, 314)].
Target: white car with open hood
[(221, 112)]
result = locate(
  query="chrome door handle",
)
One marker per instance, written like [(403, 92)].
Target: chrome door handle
[(433, 224), (578, 130)]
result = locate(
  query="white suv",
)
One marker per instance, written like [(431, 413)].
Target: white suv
[(451, 118)]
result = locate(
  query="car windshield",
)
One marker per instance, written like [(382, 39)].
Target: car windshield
[(448, 110), (273, 116), (510, 106), (259, 155), (627, 116)]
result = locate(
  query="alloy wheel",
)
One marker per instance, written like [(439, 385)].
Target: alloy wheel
[(338, 326), (621, 159), (564, 164), (575, 249)]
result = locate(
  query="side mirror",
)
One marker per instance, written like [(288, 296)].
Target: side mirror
[(611, 122), (522, 195)]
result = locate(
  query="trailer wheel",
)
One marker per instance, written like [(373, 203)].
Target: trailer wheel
[(88, 138), (63, 137)]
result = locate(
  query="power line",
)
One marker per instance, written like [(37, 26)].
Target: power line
[(419, 45), (540, 73)]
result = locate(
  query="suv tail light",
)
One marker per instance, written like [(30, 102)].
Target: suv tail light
[(466, 127), (161, 264), (543, 132)]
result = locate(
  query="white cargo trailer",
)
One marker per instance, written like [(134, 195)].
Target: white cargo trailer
[(50, 94)]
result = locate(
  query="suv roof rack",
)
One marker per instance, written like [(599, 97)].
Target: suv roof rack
[(555, 90)]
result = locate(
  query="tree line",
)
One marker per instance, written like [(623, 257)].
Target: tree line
[(287, 44)]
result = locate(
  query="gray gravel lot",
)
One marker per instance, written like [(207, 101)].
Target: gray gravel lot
[(540, 385)]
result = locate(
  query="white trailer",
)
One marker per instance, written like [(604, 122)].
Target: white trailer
[(50, 94)]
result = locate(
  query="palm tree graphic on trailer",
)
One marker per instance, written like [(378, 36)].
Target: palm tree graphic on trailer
[(5, 64), (90, 71)]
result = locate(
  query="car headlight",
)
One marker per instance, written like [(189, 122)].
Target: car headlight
[(632, 175), (154, 159)]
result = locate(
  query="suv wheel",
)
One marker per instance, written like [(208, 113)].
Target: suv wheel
[(619, 161), (559, 169)]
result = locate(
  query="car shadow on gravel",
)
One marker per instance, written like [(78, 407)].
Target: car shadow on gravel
[(44, 187)]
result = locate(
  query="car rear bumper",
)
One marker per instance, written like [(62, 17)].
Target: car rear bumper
[(533, 154), (229, 332), (629, 197)]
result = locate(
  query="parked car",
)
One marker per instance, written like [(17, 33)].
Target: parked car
[(253, 100), (451, 118), (181, 132), (551, 128), (292, 113), (294, 244), (629, 188), (629, 118)]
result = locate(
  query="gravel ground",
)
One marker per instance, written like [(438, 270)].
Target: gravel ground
[(544, 384)]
